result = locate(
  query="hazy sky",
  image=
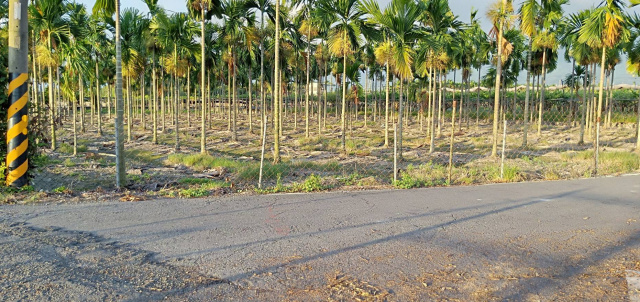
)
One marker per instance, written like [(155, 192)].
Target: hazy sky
[(462, 8)]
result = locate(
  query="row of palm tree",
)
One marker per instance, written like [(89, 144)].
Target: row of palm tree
[(410, 47)]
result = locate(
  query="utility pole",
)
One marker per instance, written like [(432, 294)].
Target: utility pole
[(17, 118)]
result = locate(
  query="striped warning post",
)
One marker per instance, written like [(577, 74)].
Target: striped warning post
[(17, 120)]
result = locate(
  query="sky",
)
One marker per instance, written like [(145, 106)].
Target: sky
[(461, 8)]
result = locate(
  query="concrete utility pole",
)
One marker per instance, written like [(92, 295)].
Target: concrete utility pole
[(17, 119)]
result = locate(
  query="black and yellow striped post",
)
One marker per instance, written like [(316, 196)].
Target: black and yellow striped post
[(17, 118), (17, 142)]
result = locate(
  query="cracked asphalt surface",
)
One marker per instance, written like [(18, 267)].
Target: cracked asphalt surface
[(547, 241)]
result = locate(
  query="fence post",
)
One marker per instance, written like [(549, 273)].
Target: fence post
[(453, 130), (504, 145), (264, 142), (395, 152)]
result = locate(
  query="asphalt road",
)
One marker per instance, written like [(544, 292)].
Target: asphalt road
[(561, 241)]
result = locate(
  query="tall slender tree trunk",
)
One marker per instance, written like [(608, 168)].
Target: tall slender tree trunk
[(638, 127), (143, 105), (610, 102), (155, 99), (250, 105), (52, 117), (129, 119), (276, 94), (583, 115), (344, 102), (306, 87), (599, 109), (386, 108), (432, 127), (400, 113), (98, 106), (120, 162), (189, 97), (525, 131), (496, 103), (203, 113), (478, 100), (163, 103), (263, 107), (542, 90), (234, 133), (229, 95), (176, 96), (366, 92)]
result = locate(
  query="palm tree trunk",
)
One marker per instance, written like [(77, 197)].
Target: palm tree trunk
[(129, 120), (263, 107), (583, 117), (176, 95), (234, 133), (496, 104), (229, 80), (344, 102), (188, 97), (143, 87), (599, 109), (120, 164), (306, 87), (203, 113), (400, 113), (250, 105), (478, 100), (155, 99), (75, 112), (542, 91), (610, 102), (432, 127), (638, 127), (326, 87), (525, 131), (276, 94), (441, 95), (366, 91), (52, 117), (163, 105), (109, 104), (319, 100), (386, 108)]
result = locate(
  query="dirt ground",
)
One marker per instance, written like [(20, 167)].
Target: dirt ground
[(367, 164)]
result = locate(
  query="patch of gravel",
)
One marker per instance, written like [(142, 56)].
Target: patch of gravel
[(54, 264)]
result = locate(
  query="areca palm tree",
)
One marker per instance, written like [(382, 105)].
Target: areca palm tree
[(75, 53), (441, 25), (528, 12), (263, 6), (205, 8), (108, 8), (400, 21), (633, 63), (500, 15), (174, 31), (238, 31), (50, 18), (344, 38), (606, 27), (276, 88)]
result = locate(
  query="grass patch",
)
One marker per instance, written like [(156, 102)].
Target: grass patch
[(193, 193), (69, 163), (144, 156), (203, 183), (68, 148)]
